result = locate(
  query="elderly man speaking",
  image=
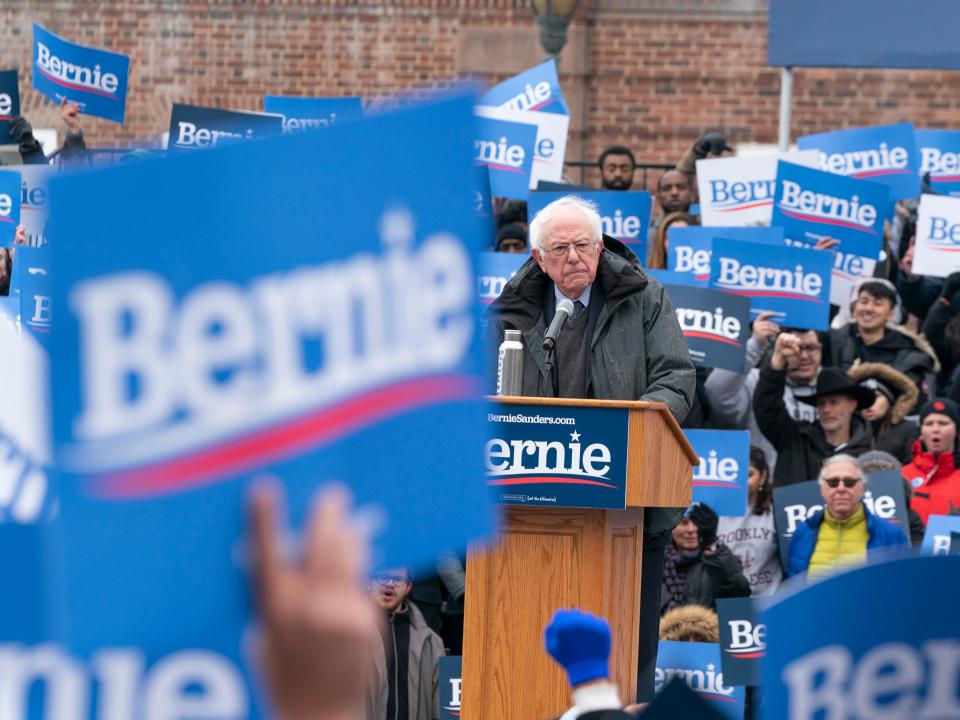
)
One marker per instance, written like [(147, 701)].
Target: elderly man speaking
[(622, 342)]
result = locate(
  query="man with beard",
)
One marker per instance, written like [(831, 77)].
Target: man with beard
[(803, 446), (616, 165)]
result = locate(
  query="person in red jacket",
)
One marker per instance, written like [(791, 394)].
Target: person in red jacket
[(934, 473)]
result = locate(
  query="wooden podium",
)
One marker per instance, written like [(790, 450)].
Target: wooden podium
[(548, 558)]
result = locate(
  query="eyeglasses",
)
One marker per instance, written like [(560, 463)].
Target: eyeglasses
[(389, 579), (809, 349), (848, 482), (583, 247)]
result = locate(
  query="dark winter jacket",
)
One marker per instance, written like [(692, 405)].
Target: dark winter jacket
[(899, 348), (636, 349), (801, 446), (880, 532), (892, 434), (709, 577)]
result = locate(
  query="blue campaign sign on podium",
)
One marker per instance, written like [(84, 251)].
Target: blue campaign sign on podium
[(95, 79), (879, 641), (349, 351), (562, 456)]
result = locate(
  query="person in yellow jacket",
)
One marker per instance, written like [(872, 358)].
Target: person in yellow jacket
[(843, 532)]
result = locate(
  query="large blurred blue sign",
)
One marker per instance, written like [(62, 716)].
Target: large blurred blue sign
[(561, 456), (792, 282), (879, 641), (698, 664), (349, 350), (309, 113), (885, 154), (811, 204), (862, 33), (94, 79)]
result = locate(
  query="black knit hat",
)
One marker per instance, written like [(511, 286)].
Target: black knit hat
[(832, 381), (941, 406), (880, 387)]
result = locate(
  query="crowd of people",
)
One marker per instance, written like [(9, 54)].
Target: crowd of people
[(879, 390)]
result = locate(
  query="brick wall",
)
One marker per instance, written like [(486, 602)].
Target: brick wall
[(649, 73)]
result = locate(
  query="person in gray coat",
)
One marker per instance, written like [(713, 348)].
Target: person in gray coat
[(623, 342)]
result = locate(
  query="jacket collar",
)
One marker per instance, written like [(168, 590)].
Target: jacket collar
[(935, 467)]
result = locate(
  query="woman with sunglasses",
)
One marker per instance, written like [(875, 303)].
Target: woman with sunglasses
[(843, 532)]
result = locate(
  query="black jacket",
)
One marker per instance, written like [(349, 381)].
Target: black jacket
[(711, 577), (801, 446), (910, 355)]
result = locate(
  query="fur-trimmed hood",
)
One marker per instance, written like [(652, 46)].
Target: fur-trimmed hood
[(690, 623), (904, 387), (921, 342)]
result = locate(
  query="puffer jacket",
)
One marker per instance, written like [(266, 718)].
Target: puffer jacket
[(893, 434), (935, 479), (636, 348), (900, 348)]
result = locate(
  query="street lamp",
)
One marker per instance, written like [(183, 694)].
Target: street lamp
[(553, 17)]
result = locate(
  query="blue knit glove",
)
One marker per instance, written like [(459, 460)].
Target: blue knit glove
[(580, 642)]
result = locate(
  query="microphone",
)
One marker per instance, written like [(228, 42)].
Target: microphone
[(564, 310)]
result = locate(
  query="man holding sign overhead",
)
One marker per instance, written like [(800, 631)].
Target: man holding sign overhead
[(620, 341)]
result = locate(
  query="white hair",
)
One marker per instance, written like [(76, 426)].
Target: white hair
[(549, 213), (841, 458)]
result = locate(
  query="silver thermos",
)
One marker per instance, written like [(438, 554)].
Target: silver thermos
[(510, 364)]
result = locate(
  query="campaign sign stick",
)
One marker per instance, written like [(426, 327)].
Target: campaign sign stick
[(879, 641), (623, 215), (743, 640), (936, 538), (698, 664), (940, 156), (535, 90), (196, 128), (9, 103), (95, 79), (451, 675), (559, 456), (812, 204), (689, 248), (31, 270), (738, 191), (794, 504), (885, 154), (847, 274), (792, 282), (10, 191), (307, 113), (336, 356), (937, 251), (506, 150), (720, 480), (496, 269), (551, 143), (716, 325)]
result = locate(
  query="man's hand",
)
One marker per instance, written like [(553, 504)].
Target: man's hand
[(786, 347), (712, 143), (20, 237), (707, 522), (70, 114), (319, 627), (764, 329)]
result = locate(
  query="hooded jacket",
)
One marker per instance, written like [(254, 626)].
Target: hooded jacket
[(893, 434), (880, 534), (899, 348), (636, 350), (935, 479), (801, 446)]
